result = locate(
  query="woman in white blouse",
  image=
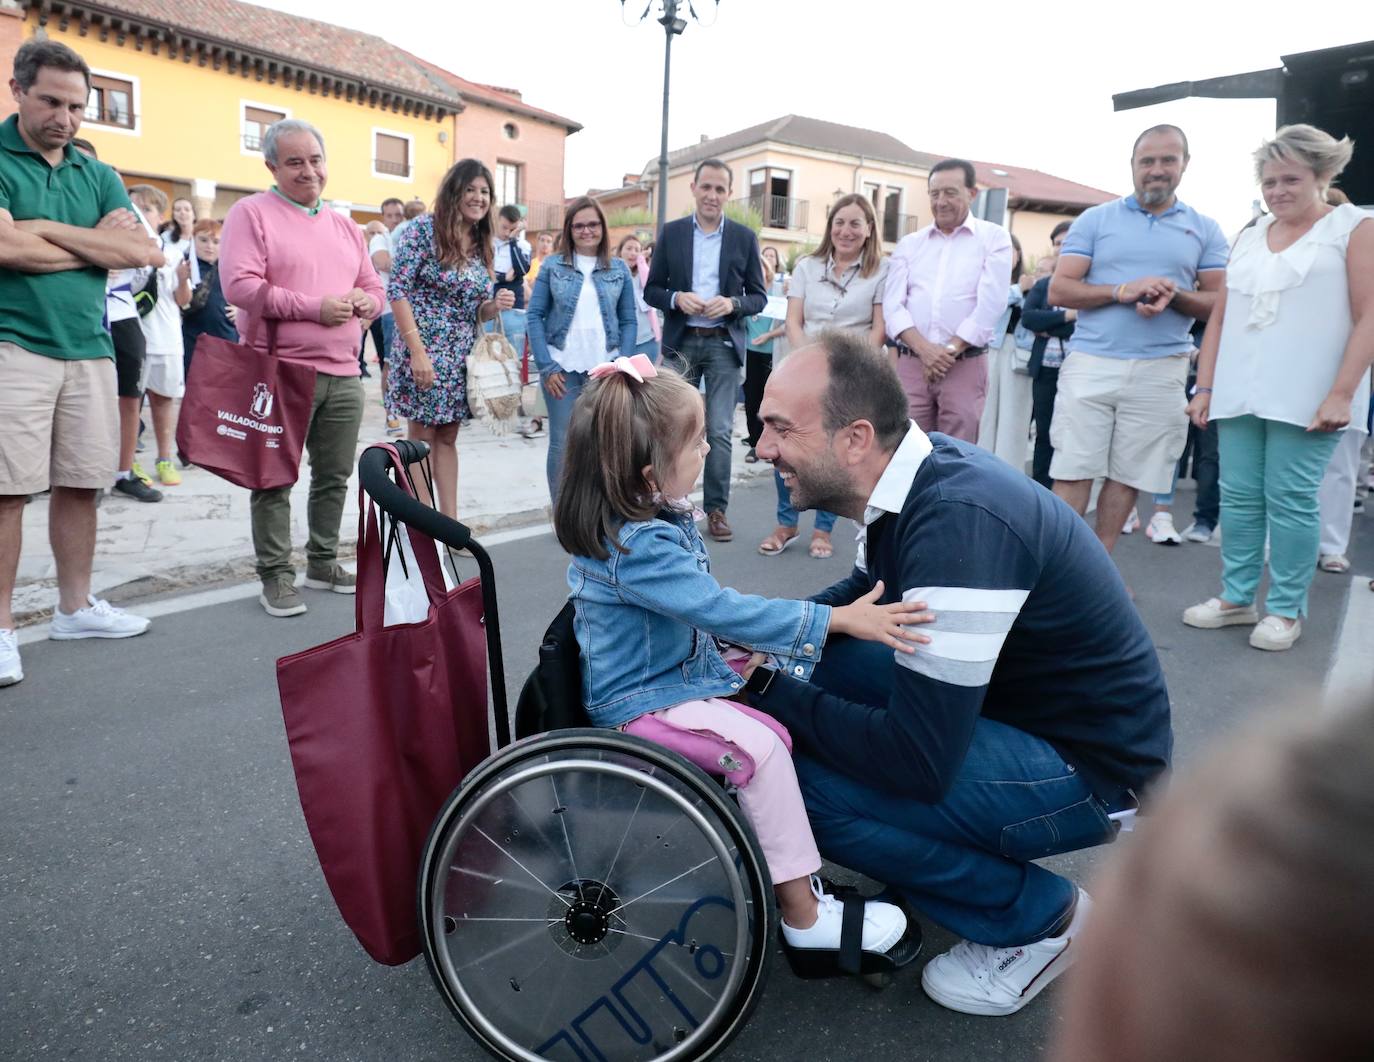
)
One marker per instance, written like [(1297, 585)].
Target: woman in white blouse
[(1284, 369), (839, 286)]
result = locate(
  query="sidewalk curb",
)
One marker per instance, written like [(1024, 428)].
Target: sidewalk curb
[(242, 568)]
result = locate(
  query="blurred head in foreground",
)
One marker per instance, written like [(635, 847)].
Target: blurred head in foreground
[(1238, 923)]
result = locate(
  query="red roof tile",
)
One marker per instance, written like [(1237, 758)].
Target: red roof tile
[(1027, 187), (306, 41), (506, 98)]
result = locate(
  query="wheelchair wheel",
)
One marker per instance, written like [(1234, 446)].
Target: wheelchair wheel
[(586, 896)]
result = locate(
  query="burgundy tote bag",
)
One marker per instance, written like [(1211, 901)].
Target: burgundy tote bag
[(383, 724), (245, 413)]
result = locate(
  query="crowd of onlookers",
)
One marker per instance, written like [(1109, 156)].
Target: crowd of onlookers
[(1141, 338), (1083, 364)]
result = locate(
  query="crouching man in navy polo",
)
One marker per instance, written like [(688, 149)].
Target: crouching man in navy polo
[(1032, 720)]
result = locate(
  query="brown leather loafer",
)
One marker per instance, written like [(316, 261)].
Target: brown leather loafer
[(717, 527)]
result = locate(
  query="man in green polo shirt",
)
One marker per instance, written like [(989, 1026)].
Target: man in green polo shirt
[(64, 222)]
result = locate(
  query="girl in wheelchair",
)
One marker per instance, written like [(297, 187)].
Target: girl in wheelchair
[(649, 613)]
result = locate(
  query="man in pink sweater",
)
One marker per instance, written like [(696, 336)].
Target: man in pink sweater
[(290, 263)]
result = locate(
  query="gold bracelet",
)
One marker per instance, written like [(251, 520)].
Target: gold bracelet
[(1116, 295), (412, 332)]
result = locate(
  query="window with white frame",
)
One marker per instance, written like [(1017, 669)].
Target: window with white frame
[(256, 119), (507, 183), (391, 154), (111, 102)]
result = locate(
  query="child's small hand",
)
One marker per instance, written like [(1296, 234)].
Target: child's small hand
[(890, 624)]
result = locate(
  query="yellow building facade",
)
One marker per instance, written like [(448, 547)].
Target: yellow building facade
[(174, 108)]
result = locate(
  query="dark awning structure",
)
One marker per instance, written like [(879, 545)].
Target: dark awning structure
[(1332, 88)]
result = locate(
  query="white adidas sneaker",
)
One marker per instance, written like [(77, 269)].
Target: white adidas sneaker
[(977, 979)]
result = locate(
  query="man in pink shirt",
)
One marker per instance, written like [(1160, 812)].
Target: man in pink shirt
[(298, 269), (946, 290)]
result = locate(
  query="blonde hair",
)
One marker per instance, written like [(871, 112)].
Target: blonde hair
[(1307, 146), (150, 196), (619, 426)]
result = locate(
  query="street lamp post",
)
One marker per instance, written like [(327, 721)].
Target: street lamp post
[(673, 25)]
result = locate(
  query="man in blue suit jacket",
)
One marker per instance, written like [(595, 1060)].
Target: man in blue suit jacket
[(707, 278)]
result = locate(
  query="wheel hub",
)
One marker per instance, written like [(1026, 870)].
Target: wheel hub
[(588, 917)]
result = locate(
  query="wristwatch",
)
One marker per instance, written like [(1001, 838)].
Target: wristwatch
[(952, 349), (760, 680), (736, 302)]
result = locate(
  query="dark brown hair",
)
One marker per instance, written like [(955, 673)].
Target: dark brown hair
[(34, 55), (618, 427), (449, 226), (603, 249), (872, 254), (863, 385)]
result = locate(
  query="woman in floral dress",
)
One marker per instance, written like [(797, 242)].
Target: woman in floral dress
[(440, 288)]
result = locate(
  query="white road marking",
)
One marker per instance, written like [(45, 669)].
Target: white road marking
[(1351, 676)]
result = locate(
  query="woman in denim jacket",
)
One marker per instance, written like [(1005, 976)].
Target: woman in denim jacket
[(582, 312), (648, 614)]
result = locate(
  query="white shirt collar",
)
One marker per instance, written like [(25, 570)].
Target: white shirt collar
[(890, 493)]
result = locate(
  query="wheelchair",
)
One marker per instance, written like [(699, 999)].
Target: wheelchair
[(584, 895)]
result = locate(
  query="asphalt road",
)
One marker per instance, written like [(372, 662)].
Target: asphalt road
[(160, 898)]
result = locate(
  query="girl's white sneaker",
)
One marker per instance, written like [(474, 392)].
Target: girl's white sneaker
[(884, 924)]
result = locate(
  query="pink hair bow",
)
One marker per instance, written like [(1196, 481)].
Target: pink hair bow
[(639, 368)]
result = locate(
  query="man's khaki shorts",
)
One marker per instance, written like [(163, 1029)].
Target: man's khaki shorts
[(1123, 418), (59, 422)]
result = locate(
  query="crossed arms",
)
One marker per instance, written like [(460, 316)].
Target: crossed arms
[(117, 241)]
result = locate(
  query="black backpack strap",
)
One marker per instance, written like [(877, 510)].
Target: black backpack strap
[(851, 932)]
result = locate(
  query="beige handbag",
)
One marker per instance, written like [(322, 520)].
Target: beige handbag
[(493, 380)]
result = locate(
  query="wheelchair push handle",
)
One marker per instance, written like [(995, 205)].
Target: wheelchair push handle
[(396, 503), (373, 469)]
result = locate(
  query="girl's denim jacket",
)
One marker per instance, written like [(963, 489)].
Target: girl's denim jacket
[(556, 290), (647, 618)]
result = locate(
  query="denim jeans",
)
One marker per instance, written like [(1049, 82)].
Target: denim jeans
[(649, 348), (1271, 472), (966, 861), (789, 517), (560, 413), (714, 358)]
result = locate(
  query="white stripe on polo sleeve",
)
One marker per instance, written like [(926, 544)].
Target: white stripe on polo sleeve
[(967, 634)]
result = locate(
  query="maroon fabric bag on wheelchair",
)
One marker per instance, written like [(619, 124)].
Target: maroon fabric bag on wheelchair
[(245, 413), (383, 725)]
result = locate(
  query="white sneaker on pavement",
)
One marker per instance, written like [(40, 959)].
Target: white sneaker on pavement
[(1132, 523), (11, 667), (1161, 530), (99, 619), (977, 979), (1274, 635), (1196, 532), (1210, 615), (884, 924)]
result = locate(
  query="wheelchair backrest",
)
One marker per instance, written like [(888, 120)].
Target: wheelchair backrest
[(552, 695)]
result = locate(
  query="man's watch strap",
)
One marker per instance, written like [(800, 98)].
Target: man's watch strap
[(758, 683)]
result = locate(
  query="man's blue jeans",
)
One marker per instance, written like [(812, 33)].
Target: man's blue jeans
[(965, 861), (714, 358)]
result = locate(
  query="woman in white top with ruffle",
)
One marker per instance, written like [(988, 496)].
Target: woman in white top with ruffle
[(1284, 368)]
